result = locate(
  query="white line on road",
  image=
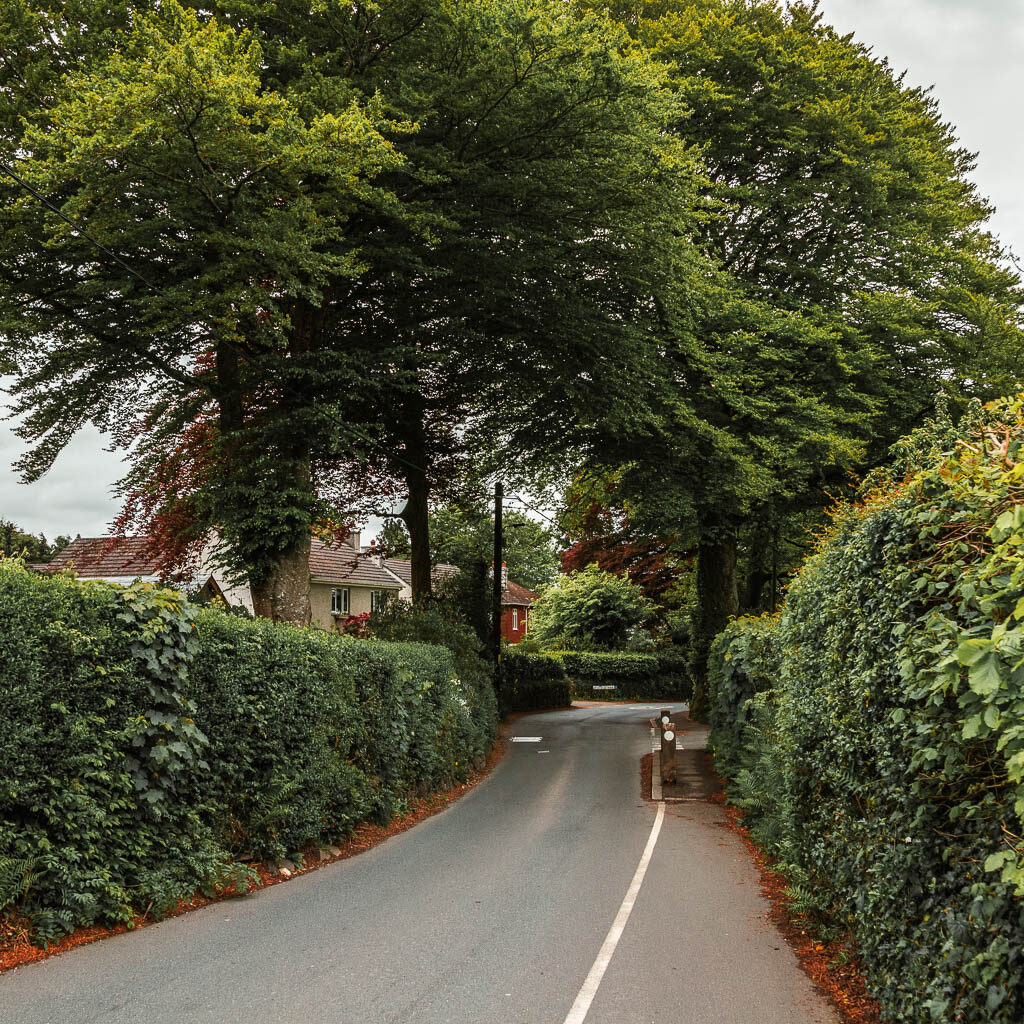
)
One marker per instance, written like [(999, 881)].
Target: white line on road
[(527, 739), (586, 995)]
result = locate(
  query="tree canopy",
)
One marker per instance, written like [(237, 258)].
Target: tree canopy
[(856, 279), (589, 610), (463, 535), (16, 543), (304, 260), (329, 249)]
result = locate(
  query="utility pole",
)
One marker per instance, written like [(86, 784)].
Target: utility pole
[(499, 493)]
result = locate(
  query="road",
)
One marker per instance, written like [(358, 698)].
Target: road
[(493, 911)]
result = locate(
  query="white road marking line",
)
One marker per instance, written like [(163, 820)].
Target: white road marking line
[(586, 995), (527, 739)]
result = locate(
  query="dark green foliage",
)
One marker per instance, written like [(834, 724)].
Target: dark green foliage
[(443, 623), (743, 663), (884, 768), (286, 728), (464, 536), (429, 186), (446, 723), (142, 755), (589, 610), (531, 682), (659, 676), (859, 282), (165, 739), (72, 697), (15, 543)]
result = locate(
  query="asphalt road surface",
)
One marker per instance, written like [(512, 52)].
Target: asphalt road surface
[(510, 906)]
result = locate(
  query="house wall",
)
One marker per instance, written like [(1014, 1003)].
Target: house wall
[(513, 636), (320, 602), (240, 595)]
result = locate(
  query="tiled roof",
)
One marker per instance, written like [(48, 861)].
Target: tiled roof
[(402, 567), (340, 563), (93, 557), (514, 594), (517, 595)]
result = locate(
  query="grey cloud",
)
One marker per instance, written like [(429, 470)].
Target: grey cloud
[(74, 497)]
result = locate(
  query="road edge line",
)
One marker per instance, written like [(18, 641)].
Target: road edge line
[(581, 1006)]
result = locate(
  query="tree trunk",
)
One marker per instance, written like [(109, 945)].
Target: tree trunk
[(716, 603), (756, 579), (416, 511), (284, 595)]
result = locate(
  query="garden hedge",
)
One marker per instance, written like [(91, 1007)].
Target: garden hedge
[(874, 729), (532, 682), (147, 743), (659, 676)]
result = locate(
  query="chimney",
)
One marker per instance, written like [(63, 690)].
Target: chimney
[(352, 540)]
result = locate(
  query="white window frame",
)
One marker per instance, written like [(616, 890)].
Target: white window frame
[(377, 599), (340, 600), (515, 620)]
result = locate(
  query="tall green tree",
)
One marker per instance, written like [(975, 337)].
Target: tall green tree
[(857, 273), (215, 210), (364, 242)]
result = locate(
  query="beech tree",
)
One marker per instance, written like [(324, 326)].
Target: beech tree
[(312, 239), (857, 276), (215, 209)]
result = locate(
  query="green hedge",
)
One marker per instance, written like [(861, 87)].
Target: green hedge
[(884, 765), (743, 662), (77, 845), (147, 743), (532, 682), (659, 676)]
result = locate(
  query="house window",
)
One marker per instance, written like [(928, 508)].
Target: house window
[(339, 600), (526, 620), (515, 619), (377, 599)]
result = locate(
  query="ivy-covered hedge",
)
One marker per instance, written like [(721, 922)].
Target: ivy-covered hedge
[(146, 744), (659, 676), (532, 682), (743, 663), (882, 757)]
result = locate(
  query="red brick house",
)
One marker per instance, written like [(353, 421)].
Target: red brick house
[(516, 602)]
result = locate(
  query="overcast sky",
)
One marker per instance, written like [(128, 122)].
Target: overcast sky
[(969, 50)]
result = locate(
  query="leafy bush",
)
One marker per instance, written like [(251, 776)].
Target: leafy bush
[(73, 697), (289, 738), (884, 767), (442, 624), (146, 743), (589, 610), (447, 724), (659, 676), (532, 682), (743, 663)]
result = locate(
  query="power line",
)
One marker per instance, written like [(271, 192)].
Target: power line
[(36, 194)]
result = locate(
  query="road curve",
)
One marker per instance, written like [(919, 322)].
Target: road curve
[(493, 911)]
